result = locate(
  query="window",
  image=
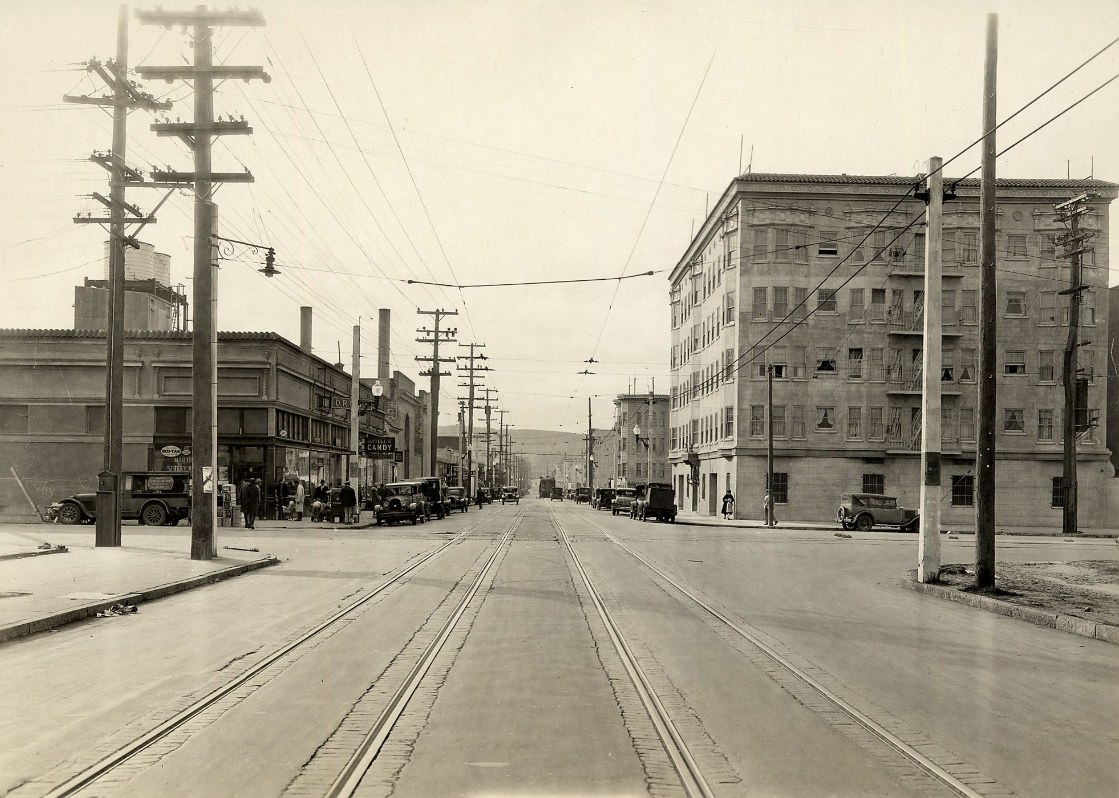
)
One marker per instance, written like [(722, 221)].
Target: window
[(1013, 419), (1045, 424), (728, 423), (877, 364), (968, 312), (780, 302), (728, 308), (799, 362), (878, 304), (173, 421), (1045, 371), (1016, 245), (1015, 303), (800, 304), (825, 301), (969, 252), (967, 423), (760, 309), (1048, 249), (95, 419), (798, 422), (779, 421), (967, 365), (761, 244), (827, 245), (874, 483), (757, 421), (780, 492), (1057, 492), (825, 419), (877, 429), (781, 247), (919, 251), (855, 363), (855, 309), (729, 369), (1015, 362), (1047, 308), (963, 490), (854, 423), (825, 360)]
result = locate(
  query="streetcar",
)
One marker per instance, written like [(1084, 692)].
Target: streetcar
[(546, 485)]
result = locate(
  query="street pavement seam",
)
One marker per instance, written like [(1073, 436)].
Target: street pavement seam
[(54, 620), (1052, 620)]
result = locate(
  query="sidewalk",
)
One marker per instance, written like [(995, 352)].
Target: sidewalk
[(53, 575)]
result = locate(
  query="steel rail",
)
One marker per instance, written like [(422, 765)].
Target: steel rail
[(691, 776), (350, 776), (95, 771), (869, 724)]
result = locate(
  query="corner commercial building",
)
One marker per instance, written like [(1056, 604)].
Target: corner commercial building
[(821, 277)]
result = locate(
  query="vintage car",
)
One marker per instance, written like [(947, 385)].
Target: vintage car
[(434, 503), (154, 498), (863, 510), (401, 501), (624, 499), (457, 499), (603, 498), (557, 493), (509, 493), (658, 502), (487, 496), (582, 495)]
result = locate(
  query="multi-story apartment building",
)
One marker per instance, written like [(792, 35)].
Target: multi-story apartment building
[(822, 279), (635, 454)]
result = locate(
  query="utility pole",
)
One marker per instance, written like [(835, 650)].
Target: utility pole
[(437, 336), (470, 385), (501, 445), (590, 448), (769, 439), (489, 456), (988, 327), (198, 136), (125, 97), (928, 557), (1069, 214)]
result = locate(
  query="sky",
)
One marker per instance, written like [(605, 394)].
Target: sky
[(406, 153)]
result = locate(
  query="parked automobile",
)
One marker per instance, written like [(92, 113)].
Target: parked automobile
[(624, 499), (154, 498), (434, 503), (659, 503), (603, 498), (557, 493), (582, 495), (509, 493), (457, 499), (863, 510), (404, 502)]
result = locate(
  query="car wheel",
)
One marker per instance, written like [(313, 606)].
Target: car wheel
[(912, 526), (153, 515), (69, 514), (864, 522)]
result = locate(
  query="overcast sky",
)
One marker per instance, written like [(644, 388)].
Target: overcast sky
[(465, 142)]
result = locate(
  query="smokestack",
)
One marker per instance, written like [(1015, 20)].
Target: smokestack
[(383, 345), (305, 329)]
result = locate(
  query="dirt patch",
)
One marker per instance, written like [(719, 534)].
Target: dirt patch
[(1086, 589)]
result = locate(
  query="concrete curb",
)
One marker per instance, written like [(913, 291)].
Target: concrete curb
[(37, 553), (54, 620), (1053, 620)]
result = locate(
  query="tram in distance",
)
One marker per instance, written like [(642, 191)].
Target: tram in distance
[(546, 485)]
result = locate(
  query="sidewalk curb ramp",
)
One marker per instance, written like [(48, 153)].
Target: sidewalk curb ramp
[(54, 620), (1053, 620)]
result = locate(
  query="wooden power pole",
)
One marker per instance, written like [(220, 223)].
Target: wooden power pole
[(436, 337), (198, 135)]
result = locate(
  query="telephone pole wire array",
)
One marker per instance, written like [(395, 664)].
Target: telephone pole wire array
[(473, 373), (434, 337), (198, 135), (126, 96)]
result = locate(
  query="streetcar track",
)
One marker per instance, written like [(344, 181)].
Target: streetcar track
[(796, 679), (683, 762), (114, 760)]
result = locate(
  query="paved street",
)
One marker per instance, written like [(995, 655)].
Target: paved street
[(530, 695)]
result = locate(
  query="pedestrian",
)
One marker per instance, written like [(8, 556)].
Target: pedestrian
[(728, 504), (478, 498), (250, 502), (767, 505), (349, 502), (300, 495)]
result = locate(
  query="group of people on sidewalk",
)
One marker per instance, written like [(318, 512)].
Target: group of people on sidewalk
[(291, 501), (727, 510)]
